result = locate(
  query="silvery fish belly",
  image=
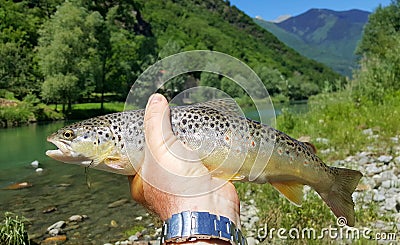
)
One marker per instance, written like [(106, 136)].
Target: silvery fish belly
[(231, 146)]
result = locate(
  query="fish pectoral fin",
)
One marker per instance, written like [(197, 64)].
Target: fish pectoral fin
[(236, 177), (114, 162), (293, 191)]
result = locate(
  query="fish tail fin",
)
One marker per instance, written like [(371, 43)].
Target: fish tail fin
[(338, 198)]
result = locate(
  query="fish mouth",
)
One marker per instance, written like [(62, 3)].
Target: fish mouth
[(64, 153)]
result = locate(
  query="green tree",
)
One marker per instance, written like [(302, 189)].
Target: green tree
[(67, 50), (18, 37), (380, 50)]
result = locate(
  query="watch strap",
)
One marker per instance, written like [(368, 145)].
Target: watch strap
[(191, 226)]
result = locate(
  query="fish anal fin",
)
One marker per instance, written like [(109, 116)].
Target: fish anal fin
[(338, 198), (293, 191)]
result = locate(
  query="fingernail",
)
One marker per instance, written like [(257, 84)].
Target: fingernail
[(155, 98)]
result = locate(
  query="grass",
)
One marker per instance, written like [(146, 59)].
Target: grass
[(12, 230), (340, 119)]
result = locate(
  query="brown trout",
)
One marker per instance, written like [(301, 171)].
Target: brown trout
[(229, 145)]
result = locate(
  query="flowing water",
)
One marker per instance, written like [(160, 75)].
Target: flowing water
[(64, 189)]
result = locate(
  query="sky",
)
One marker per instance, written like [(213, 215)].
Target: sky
[(272, 9)]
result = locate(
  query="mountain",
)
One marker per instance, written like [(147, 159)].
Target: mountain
[(327, 36)]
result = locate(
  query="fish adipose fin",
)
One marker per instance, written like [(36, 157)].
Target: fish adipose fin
[(339, 197), (293, 191)]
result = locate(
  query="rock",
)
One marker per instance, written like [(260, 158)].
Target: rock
[(397, 160), (385, 159), (322, 140), (17, 186), (394, 139), (125, 242), (133, 238), (139, 218), (251, 241), (57, 225), (378, 197), (372, 170), (61, 238), (49, 210), (77, 218), (118, 203), (390, 204), (386, 184), (35, 164), (368, 131), (39, 170), (363, 160), (54, 232), (363, 187)]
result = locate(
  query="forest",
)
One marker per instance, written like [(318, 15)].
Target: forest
[(66, 53)]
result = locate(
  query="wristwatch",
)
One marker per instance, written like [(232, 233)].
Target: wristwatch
[(191, 226)]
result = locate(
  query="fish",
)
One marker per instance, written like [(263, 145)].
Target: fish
[(230, 145)]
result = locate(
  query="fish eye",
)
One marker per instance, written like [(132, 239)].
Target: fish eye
[(68, 134)]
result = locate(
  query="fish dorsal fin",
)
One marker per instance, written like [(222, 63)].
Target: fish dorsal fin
[(223, 105), (306, 141), (310, 147), (293, 191)]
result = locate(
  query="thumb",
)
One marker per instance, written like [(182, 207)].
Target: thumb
[(157, 125)]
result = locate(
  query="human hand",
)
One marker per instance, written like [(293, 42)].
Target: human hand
[(172, 179)]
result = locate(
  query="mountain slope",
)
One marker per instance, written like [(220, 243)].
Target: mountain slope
[(215, 25), (327, 36)]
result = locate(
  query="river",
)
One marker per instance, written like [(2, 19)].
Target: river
[(64, 188)]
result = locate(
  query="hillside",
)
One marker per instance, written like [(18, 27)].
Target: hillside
[(92, 51), (215, 25), (327, 36)]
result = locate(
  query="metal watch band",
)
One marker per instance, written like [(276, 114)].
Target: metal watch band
[(191, 226)]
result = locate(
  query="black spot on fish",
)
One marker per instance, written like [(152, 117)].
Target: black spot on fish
[(196, 117)]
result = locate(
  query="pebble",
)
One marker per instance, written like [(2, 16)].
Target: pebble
[(371, 170), (368, 131), (19, 185), (390, 204), (77, 218), (251, 241), (113, 223), (49, 210), (385, 159), (139, 218), (397, 160), (133, 238), (53, 239), (363, 161), (39, 170), (54, 232), (378, 197), (35, 164), (118, 203), (57, 225)]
